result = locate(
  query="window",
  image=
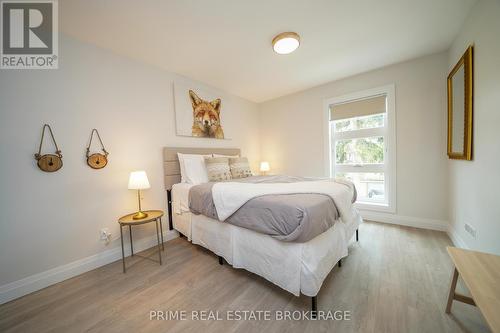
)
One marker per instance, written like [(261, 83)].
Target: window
[(361, 145)]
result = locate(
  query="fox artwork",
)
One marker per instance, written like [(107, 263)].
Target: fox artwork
[(206, 117)]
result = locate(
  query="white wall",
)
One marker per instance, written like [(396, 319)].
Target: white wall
[(292, 132), (48, 220), (474, 185)]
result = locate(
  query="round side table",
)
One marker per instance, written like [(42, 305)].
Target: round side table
[(128, 220)]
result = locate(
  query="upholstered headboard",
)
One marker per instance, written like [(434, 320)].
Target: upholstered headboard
[(172, 170)]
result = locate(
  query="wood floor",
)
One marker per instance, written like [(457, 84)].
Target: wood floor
[(395, 280)]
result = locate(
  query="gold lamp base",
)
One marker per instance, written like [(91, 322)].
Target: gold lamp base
[(139, 215)]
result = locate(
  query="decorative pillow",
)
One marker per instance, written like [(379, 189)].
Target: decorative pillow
[(239, 167), (217, 168)]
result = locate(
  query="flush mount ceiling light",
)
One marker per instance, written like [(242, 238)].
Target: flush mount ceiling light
[(286, 42)]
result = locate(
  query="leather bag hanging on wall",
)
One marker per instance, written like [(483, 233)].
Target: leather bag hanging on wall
[(49, 162), (97, 160)]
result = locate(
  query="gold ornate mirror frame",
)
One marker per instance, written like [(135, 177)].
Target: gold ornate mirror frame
[(466, 62)]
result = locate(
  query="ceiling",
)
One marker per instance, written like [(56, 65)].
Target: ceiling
[(227, 43)]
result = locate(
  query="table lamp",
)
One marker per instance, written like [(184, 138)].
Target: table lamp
[(138, 181), (264, 167)]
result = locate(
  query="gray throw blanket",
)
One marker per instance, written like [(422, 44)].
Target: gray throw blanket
[(287, 217)]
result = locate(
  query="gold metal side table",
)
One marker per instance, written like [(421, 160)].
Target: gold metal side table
[(128, 220)]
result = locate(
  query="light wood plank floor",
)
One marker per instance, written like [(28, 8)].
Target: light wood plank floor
[(395, 280)]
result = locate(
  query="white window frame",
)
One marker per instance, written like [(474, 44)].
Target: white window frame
[(390, 144)]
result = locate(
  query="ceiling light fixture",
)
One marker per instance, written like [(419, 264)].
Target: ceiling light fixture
[(286, 42)]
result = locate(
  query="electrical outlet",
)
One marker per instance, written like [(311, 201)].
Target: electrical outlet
[(105, 235), (470, 229)]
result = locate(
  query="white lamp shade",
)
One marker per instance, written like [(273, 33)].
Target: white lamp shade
[(264, 166), (138, 181)]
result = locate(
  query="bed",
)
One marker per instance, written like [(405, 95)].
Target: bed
[(297, 267)]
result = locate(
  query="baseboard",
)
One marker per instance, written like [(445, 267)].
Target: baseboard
[(408, 221), (42, 280), (456, 239), (417, 222)]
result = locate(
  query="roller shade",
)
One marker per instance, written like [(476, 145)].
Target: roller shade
[(359, 108)]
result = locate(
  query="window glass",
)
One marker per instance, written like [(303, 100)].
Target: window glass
[(369, 186), (360, 151)]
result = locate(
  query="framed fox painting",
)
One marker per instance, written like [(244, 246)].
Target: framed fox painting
[(198, 112)]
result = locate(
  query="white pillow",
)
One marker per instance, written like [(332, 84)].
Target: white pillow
[(193, 170)]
